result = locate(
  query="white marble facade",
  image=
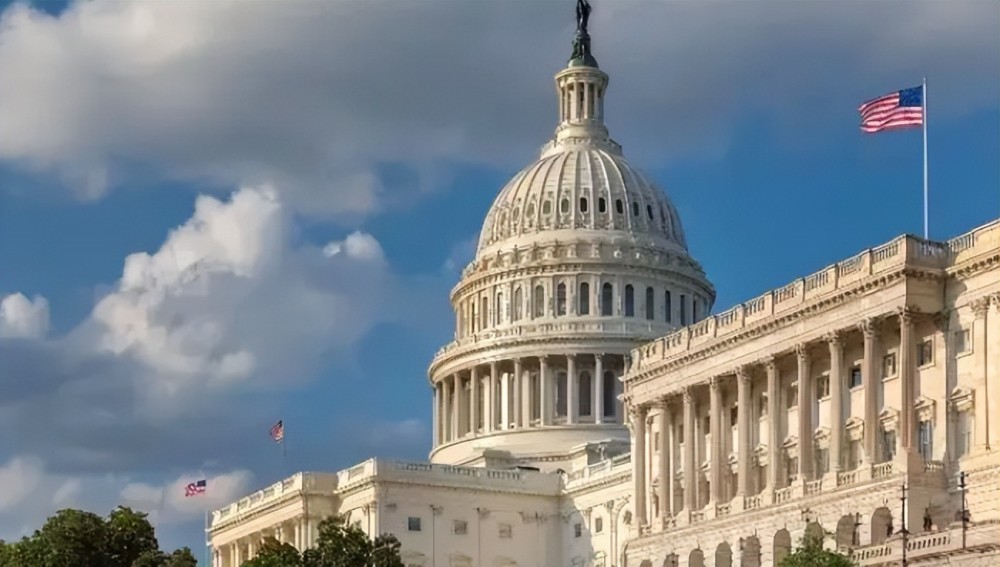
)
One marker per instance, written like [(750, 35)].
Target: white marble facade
[(590, 412)]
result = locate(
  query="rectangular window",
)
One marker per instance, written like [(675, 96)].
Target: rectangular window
[(791, 468), (888, 445), (684, 316), (506, 531), (667, 306), (889, 365), (822, 387), (854, 454), (963, 434), (734, 416), (925, 438), (460, 527), (577, 530), (598, 525), (656, 442), (855, 378), (925, 354), (962, 343), (792, 399), (822, 461), (413, 524)]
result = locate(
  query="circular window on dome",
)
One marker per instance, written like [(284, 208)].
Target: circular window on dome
[(547, 207), (564, 206)]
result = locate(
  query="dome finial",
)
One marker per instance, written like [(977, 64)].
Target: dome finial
[(581, 43)]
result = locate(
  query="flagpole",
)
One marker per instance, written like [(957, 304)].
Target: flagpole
[(207, 539), (923, 99)]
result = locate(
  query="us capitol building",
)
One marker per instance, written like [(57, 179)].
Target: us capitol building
[(592, 412)]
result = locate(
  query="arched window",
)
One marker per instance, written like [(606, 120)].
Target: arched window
[(629, 301), (635, 209), (667, 305), (561, 299), (518, 304), (498, 309), (694, 309), (602, 205), (472, 315), (684, 318), (650, 304), (584, 297), (607, 300), (608, 391), (484, 312), (619, 207), (583, 204), (539, 301), (585, 390), (561, 391)]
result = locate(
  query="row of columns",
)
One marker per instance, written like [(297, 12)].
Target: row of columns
[(510, 397), (666, 407), (299, 532)]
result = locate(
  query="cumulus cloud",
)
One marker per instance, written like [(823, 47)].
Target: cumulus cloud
[(24, 318), (167, 500), (246, 93), (182, 356)]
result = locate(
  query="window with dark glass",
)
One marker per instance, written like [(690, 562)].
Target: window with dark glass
[(629, 301), (666, 306), (650, 304), (609, 394), (607, 300), (584, 298), (561, 299)]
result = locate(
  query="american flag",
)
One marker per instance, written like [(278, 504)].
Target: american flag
[(895, 110), (278, 431), (195, 488)]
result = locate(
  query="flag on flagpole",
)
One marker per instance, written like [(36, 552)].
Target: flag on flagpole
[(278, 431), (195, 488), (899, 109)]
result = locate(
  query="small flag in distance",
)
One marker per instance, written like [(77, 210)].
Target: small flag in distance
[(278, 431), (195, 488)]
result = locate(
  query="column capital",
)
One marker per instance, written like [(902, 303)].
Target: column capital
[(802, 350), (743, 375), (714, 383), (906, 315), (769, 362), (638, 411), (571, 356), (980, 307), (834, 338), (662, 403), (868, 327), (598, 356), (687, 394), (996, 301)]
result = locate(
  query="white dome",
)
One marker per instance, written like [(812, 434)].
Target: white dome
[(577, 190)]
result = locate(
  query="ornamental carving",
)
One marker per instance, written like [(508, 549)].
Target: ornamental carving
[(923, 409), (869, 327), (855, 428), (961, 399), (980, 307)]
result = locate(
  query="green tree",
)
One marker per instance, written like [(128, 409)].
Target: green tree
[(810, 553), (74, 538), (130, 536), (272, 553), (337, 545), (181, 558)]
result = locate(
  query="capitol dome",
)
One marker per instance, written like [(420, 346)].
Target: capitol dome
[(580, 259), (573, 189)]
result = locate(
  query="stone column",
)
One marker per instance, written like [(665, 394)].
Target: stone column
[(437, 415), (572, 388), (907, 356), (519, 390), (664, 465), (871, 378), (715, 427), (237, 553), (492, 399), (980, 394), (598, 386), (474, 395), (773, 424), (463, 398), (805, 413), (299, 544), (639, 414), (545, 392), (690, 482), (456, 384), (835, 342), (744, 414)]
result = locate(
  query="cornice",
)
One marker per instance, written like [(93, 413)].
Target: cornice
[(821, 304)]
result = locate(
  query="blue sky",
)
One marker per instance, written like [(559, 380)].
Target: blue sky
[(342, 159)]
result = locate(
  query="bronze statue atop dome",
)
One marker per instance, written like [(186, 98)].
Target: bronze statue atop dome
[(582, 16)]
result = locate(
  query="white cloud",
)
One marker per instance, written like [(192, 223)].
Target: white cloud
[(276, 92), (357, 245), (169, 503), (21, 317)]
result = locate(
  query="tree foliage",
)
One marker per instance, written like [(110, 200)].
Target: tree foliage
[(810, 553), (338, 545), (75, 538)]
